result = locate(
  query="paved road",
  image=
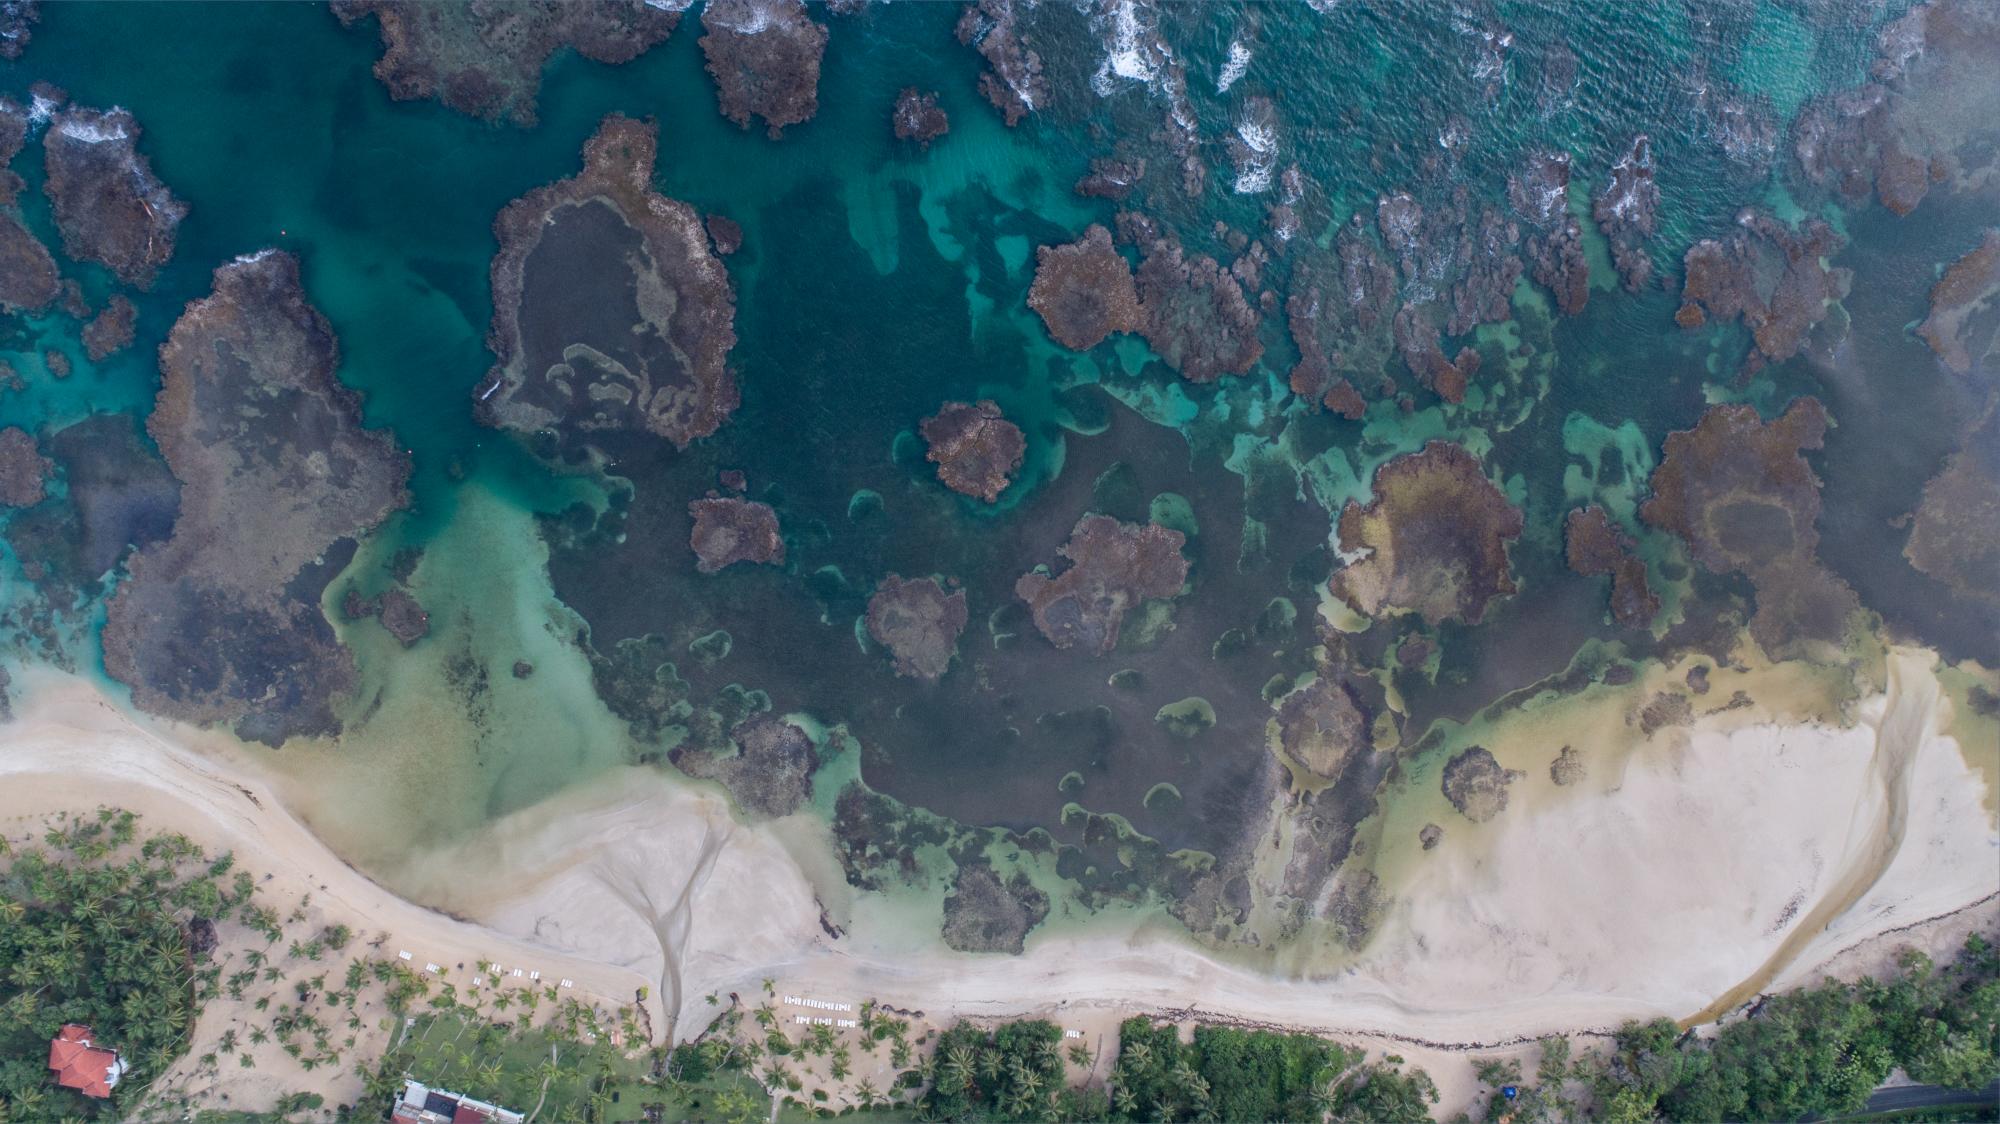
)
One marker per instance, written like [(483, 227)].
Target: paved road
[(1903, 1097)]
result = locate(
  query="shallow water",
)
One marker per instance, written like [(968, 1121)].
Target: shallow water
[(876, 283)]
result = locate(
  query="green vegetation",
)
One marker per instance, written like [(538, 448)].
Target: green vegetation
[(101, 927), (1818, 1052), (1013, 1072), (1227, 1074), (566, 1067)]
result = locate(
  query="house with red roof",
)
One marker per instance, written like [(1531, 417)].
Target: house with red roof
[(81, 1064)]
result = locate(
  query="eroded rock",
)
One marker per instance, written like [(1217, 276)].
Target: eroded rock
[(764, 56), (1193, 311), (918, 118), (1539, 193), (1476, 785), (585, 345), (1323, 725), (985, 914), (24, 471), (730, 530), (1593, 545), (1952, 535), (1436, 536), (485, 59), (976, 450), (1112, 177), (221, 622), (1568, 767), (1084, 291), (110, 207), (919, 622), (1113, 567), (17, 18)]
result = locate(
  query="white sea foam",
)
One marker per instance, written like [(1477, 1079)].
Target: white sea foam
[(755, 20), (253, 259), (1256, 154), (108, 127), (1125, 56), (41, 110), (1239, 62)]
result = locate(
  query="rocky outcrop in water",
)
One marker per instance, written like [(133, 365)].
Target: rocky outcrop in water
[(1193, 311), (28, 275), (585, 345), (110, 207), (770, 774), (919, 623), (1113, 567), (1594, 545), (1921, 121), (1112, 177), (1436, 536), (985, 914), (24, 471), (1568, 767), (729, 530), (1738, 491), (918, 118), (1969, 286), (1952, 533), (1339, 314), (1774, 278), (17, 18), (397, 608), (221, 622), (1323, 726), (485, 59), (976, 450), (117, 496), (1476, 785), (1084, 291), (111, 330), (1464, 259), (1539, 193), (1627, 209), (764, 56), (1013, 79)]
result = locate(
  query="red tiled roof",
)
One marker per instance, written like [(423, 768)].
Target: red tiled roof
[(467, 1114), (79, 1064)]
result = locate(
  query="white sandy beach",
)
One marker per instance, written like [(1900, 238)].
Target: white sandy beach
[(1721, 860)]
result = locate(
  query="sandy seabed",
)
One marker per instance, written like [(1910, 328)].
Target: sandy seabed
[(1718, 861)]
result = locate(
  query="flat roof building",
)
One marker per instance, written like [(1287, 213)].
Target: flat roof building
[(421, 1104)]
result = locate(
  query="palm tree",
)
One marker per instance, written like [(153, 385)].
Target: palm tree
[(866, 1094)]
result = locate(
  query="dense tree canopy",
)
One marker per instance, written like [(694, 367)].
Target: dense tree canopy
[(101, 927)]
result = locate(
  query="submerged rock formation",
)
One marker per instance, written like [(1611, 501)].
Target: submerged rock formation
[(1323, 726), (1113, 566), (398, 610), (28, 276), (1627, 209), (764, 57), (1340, 315), (985, 914), (1539, 193), (16, 16), (1436, 534), (111, 330), (976, 450), (1013, 79), (1952, 535), (1083, 291), (486, 60), (729, 530), (110, 207), (771, 771), (1969, 286), (1193, 311), (1112, 177), (1774, 278), (24, 471), (919, 623), (221, 622), (1593, 545), (1476, 785), (1738, 491), (918, 118), (585, 345)]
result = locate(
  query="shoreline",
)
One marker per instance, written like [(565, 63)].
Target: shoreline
[(634, 879)]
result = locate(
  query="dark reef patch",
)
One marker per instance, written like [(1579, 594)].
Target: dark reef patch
[(111, 330), (24, 471), (1013, 79), (1083, 291), (729, 530), (976, 450), (222, 622), (1436, 534), (770, 772), (1476, 785), (1192, 311), (919, 623), (1775, 279), (486, 59), (583, 348), (984, 913), (1738, 491), (1593, 545), (917, 117), (1965, 292), (1113, 567)]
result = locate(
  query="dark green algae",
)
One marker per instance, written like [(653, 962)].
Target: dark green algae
[(876, 282)]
